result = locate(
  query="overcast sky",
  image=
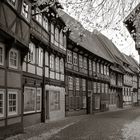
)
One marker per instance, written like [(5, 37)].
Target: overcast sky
[(109, 24)]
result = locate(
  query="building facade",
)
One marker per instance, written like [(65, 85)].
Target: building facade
[(14, 39), (48, 72), (132, 23)]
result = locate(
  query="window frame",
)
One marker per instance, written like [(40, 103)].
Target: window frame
[(94, 66), (38, 16), (40, 99), (62, 66), (40, 56), (17, 60), (15, 92), (55, 95), (75, 59), (2, 91), (52, 62), (69, 57), (84, 85), (57, 64), (56, 36), (45, 23), (65, 42), (36, 94), (90, 65), (23, 12), (80, 61), (77, 84), (32, 50), (70, 83), (85, 63), (3, 54), (52, 33)]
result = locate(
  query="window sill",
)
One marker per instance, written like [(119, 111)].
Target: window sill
[(31, 112)]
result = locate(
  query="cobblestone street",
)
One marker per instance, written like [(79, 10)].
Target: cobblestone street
[(117, 125)]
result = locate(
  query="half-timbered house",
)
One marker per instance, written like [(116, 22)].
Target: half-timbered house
[(14, 40), (132, 23), (43, 78), (87, 71)]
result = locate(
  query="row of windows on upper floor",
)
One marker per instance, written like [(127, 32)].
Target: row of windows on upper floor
[(25, 10), (35, 56), (57, 35), (76, 83), (128, 79), (82, 62), (13, 57)]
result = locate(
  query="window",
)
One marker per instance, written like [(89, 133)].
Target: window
[(94, 66), (77, 83), (94, 87), (90, 65), (1, 54), (61, 39), (32, 99), (102, 69), (65, 42), (38, 99), (45, 23), (39, 17), (52, 62), (40, 57), (46, 58), (13, 58), (98, 68), (69, 57), (1, 103), (56, 36), (83, 85), (12, 102), (52, 33), (29, 99), (31, 54), (105, 70), (80, 61), (12, 2), (54, 100), (70, 82), (98, 87), (103, 87), (57, 64), (75, 61), (106, 88), (85, 63), (62, 65), (25, 9)]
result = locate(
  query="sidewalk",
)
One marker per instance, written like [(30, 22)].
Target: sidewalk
[(44, 131)]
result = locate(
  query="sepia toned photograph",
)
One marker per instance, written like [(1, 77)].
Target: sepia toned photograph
[(69, 69)]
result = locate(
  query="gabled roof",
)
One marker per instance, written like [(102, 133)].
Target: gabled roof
[(133, 63), (112, 49), (87, 41)]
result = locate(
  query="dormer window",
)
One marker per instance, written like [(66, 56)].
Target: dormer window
[(25, 9)]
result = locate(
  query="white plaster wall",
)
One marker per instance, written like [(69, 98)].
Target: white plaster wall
[(58, 114)]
